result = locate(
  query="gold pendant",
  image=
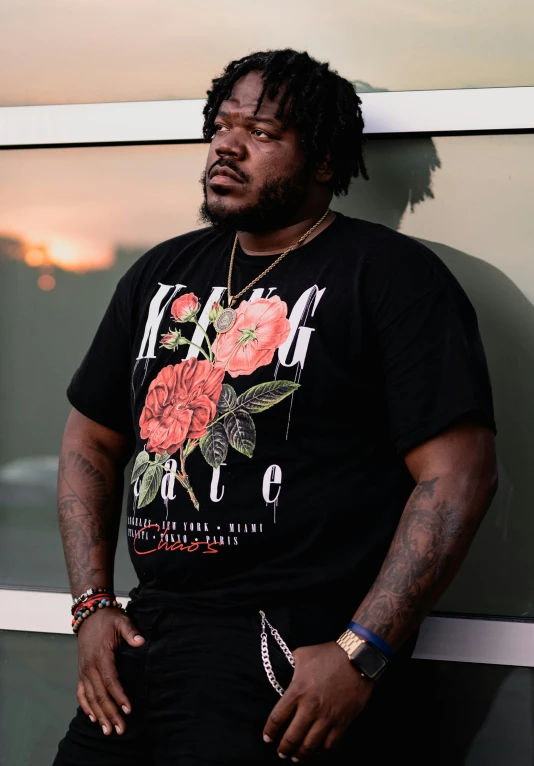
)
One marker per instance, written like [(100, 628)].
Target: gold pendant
[(225, 321)]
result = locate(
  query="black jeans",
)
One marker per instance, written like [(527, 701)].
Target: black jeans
[(200, 695)]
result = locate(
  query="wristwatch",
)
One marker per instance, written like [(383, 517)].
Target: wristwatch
[(367, 660)]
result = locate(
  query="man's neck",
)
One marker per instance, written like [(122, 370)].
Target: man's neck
[(275, 242)]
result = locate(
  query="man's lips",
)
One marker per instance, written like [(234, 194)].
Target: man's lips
[(224, 176)]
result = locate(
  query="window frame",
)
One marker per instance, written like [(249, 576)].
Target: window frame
[(434, 112), (459, 638)]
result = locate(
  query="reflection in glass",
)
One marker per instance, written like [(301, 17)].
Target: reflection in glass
[(73, 222), (475, 212), (468, 198), (38, 676), (170, 53)]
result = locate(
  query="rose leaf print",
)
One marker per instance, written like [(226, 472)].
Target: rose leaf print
[(188, 405), (142, 462), (235, 412), (264, 395), (150, 484), (214, 446), (227, 400), (241, 431)]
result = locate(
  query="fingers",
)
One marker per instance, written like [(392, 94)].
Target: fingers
[(103, 705), (280, 717), (101, 695), (98, 713), (110, 680), (297, 731), (312, 743), (130, 633), (332, 738), (82, 701)]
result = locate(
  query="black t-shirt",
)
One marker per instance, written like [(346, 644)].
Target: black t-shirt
[(269, 459)]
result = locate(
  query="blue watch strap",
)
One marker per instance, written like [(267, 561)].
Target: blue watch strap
[(372, 638)]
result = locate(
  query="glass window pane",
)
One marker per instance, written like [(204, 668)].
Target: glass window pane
[(472, 204), (57, 51), (485, 714), (82, 216), (38, 676), (73, 220)]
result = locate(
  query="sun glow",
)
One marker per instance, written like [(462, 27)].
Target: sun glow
[(46, 282), (78, 255), (35, 256), (40, 251)]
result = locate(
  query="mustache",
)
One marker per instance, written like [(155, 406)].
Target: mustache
[(224, 162)]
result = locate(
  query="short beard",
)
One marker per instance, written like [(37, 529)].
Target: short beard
[(278, 203)]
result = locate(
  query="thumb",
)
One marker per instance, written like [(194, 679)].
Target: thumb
[(130, 633)]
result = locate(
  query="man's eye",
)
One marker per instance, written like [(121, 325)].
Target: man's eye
[(218, 128), (260, 132)]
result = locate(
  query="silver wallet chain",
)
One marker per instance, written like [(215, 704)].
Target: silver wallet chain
[(265, 652)]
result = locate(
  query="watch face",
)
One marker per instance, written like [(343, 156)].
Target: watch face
[(369, 661)]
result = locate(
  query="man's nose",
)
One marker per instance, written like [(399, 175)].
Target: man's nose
[(231, 146)]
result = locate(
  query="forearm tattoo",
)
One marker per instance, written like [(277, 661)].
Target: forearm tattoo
[(422, 555), (84, 507)]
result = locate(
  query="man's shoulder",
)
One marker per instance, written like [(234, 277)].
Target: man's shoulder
[(389, 251), (158, 258), (197, 236), (382, 239), (173, 247)]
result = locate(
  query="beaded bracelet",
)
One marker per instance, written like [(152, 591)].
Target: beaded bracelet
[(92, 603), (105, 596), (91, 606), (87, 595)]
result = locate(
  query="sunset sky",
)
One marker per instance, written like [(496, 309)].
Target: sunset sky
[(75, 206), (82, 203), (96, 50), (72, 209)]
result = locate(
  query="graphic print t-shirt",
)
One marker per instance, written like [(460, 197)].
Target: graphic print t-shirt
[(268, 466)]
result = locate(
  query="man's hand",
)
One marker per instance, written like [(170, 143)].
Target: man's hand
[(323, 698), (100, 693)]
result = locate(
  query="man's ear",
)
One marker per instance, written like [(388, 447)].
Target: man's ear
[(324, 170)]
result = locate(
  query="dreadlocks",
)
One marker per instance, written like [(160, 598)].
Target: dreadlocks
[(323, 106)]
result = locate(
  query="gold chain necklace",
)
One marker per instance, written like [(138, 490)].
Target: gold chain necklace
[(227, 318)]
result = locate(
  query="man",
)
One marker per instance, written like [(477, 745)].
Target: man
[(308, 409)]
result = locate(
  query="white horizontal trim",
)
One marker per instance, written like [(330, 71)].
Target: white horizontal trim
[(37, 611), (129, 122), (455, 639), (491, 642), (474, 110), (420, 111)]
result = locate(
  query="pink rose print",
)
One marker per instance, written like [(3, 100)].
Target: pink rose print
[(167, 339), (172, 340), (185, 308), (180, 402), (260, 328), (188, 407), (215, 310)]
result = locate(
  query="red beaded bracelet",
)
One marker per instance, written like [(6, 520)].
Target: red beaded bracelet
[(90, 606), (89, 594)]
